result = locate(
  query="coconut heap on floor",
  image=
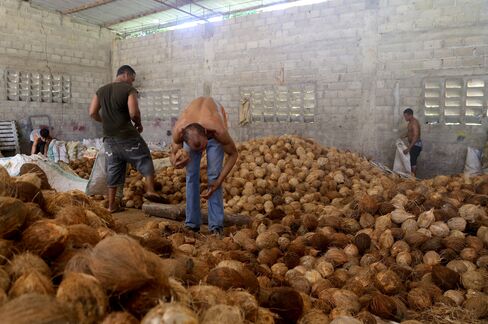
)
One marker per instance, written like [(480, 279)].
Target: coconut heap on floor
[(332, 239)]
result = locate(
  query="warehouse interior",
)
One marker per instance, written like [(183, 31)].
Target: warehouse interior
[(331, 76)]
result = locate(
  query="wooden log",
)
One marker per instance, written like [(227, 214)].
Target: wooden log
[(177, 213)]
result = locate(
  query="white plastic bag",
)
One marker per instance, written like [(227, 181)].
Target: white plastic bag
[(401, 165), (472, 166), (97, 184)]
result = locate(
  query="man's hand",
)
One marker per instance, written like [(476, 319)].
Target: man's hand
[(211, 189), (406, 151), (139, 128), (179, 159)]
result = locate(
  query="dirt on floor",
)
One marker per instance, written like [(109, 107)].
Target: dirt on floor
[(136, 219)]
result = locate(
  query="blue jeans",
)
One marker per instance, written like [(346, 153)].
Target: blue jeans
[(215, 159)]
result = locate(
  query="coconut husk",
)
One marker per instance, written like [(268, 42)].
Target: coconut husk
[(440, 314), (6, 250), (81, 235), (388, 282), (286, 302), (368, 204), (119, 263), (85, 294), (139, 301), (119, 318), (71, 215), (154, 242), (31, 282), (478, 306), (362, 242), (45, 238), (385, 307), (4, 280), (34, 214), (28, 189), (269, 256), (170, 313), (244, 241), (57, 201), (103, 213), (222, 314), (79, 262), (204, 296), (13, 213), (25, 263), (310, 222), (444, 277), (36, 308), (227, 278), (246, 302), (419, 299), (35, 169)]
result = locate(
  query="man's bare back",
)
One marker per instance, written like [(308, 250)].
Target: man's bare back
[(413, 131)]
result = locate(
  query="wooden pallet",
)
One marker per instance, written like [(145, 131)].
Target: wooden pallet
[(9, 138)]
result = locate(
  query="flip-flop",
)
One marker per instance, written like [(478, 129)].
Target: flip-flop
[(119, 209), (155, 198)]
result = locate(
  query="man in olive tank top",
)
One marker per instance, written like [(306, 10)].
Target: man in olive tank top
[(115, 106)]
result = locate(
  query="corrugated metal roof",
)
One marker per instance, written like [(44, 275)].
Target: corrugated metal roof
[(129, 16)]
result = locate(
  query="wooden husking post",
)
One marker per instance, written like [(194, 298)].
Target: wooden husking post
[(177, 213)]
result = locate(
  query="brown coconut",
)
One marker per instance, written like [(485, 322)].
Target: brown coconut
[(477, 306), (36, 308), (35, 169), (170, 313), (119, 263), (71, 215), (419, 299), (154, 242), (81, 235), (246, 302), (444, 277), (368, 204), (34, 214), (31, 282), (45, 238), (13, 214), (388, 282), (28, 189), (6, 250), (4, 280), (85, 294), (58, 201), (204, 296), (25, 263), (222, 314), (362, 242), (286, 302), (79, 262), (140, 300), (227, 278), (384, 306), (119, 318)]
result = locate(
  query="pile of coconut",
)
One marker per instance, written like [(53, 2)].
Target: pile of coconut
[(350, 246), (82, 167)]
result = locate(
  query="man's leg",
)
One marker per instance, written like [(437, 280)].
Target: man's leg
[(414, 154), (215, 159), (116, 169), (193, 213)]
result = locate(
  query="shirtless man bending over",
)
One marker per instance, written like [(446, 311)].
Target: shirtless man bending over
[(414, 141), (203, 126)]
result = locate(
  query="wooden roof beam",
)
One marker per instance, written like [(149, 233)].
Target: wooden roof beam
[(86, 6)]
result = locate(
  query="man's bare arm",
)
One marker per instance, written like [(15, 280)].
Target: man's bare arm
[(94, 109), (134, 112), (34, 145), (230, 148)]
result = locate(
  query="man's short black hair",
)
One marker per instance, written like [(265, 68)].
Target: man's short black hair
[(196, 127), (408, 111), (44, 132), (125, 69)]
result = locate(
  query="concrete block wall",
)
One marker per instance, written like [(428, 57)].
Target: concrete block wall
[(368, 58), (35, 40)]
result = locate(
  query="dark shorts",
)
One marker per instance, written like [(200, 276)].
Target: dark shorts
[(119, 152), (414, 154)]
